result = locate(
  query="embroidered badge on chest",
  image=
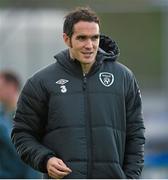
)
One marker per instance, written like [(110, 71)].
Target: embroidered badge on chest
[(62, 83), (106, 78)]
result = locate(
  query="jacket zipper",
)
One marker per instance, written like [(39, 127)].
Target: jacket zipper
[(88, 128)]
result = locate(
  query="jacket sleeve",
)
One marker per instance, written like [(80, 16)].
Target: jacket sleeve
[(29, 123), (135, 140)]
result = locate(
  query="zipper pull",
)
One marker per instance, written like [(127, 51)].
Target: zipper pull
[(84, 81)]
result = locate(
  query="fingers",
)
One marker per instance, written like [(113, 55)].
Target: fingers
[(57, 168), (54, 173), (61, 168)]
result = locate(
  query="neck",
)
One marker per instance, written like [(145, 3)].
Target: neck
[(86, 67)]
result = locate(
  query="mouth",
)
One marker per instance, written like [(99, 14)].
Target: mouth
[(87, 54)]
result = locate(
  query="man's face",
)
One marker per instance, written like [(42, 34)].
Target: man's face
[(84, 42)]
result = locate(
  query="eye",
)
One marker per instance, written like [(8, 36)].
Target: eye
[(81, 38), (95, 38)]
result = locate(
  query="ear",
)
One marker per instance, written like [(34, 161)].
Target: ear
[(66, 39)]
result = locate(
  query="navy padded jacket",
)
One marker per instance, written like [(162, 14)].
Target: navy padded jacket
[(93, 123)]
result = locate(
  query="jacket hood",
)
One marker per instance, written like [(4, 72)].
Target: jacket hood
[(108, 48)]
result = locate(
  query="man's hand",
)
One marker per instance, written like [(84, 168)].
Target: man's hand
[(57, 169)]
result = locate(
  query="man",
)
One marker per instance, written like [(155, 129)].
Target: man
[(81, 117), (10, 164)]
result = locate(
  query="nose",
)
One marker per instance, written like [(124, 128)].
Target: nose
[(89, 44)]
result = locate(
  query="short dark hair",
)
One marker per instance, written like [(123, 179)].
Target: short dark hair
[(11, 77), (79, 14)]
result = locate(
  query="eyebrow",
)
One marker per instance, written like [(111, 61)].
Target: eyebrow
[(85, 36)]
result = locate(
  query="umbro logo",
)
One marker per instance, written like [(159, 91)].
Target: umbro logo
[(62, 82)]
